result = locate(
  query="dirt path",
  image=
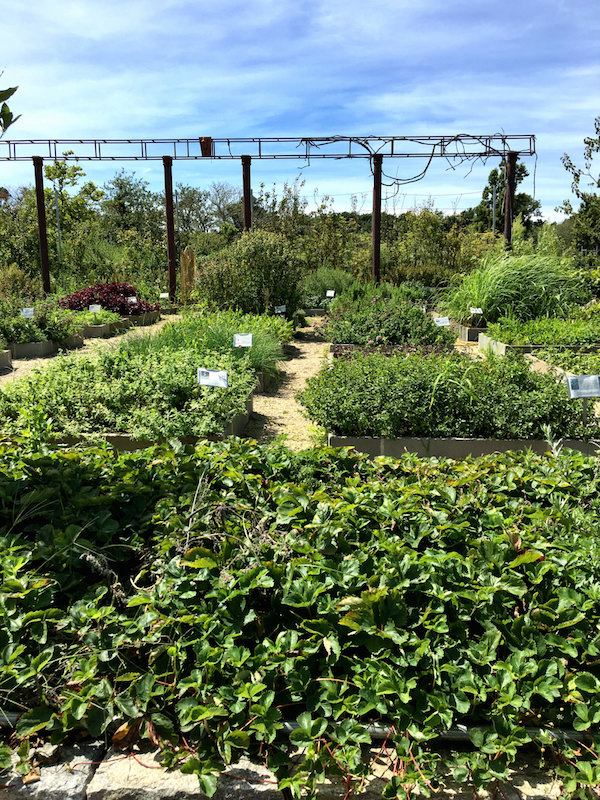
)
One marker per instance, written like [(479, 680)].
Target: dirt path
[(276, 412)]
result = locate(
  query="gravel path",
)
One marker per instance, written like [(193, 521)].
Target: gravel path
[(276, 412)]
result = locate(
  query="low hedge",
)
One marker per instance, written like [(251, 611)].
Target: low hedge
[(441, 395), (546, 331)]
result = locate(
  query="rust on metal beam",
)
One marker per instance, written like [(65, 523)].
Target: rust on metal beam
[(376, 221), (509, 198), (171, 259), (247, 187), (42, 229)]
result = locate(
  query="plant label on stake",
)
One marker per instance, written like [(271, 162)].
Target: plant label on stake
[(475, 310), (330, 293), (441, 322), (583, 386), (213, 377), (27, 313), (132, 300), (242, 340), (280, 309), (95, 308), (163, 296)]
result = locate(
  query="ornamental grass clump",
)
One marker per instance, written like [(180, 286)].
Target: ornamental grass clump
[(519, 286), (442, 396)]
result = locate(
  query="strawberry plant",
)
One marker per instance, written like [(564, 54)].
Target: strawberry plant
[(202, 599)]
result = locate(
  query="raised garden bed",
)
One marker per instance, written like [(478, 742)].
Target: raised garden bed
[(466, 332), (485, 342), (97, 331), (32, 349), (124, 442), (71, 342), (5, 360), (451, 447), (148, 318)]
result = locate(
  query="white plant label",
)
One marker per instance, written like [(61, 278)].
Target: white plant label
[(583, 386), (27, 313), (475, 310), (441, 322), (164, 295), (330, 293), (242, 340), (132, 300), (280, 309), (95, 309), (213, 377)]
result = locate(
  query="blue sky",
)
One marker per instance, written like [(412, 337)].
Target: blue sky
[(127, 68)]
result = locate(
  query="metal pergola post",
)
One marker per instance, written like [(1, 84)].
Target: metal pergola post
[(170, 220), (38, 163), (247, 187), (509, 197), (376, 219)]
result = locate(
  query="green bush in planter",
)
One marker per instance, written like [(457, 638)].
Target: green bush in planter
[(442, 396), (18, 330), (254, 274)]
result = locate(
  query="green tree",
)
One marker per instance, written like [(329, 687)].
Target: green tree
[(524, 206), (586, 219), (7, 118)]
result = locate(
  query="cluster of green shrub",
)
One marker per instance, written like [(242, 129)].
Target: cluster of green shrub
[(49, 321), (202, 598), (371, 314), (146, 386), (441, 395), (577, 362)]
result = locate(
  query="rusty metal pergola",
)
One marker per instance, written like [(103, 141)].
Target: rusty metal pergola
[(460, 147)]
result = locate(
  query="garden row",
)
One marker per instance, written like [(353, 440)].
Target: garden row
[(97, 311), (202, 600), (401, 386), (187, 380)]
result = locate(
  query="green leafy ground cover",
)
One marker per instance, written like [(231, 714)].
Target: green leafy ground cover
[(199, 598), (441, 395), (546, 331), (147, 386), (578, 363)]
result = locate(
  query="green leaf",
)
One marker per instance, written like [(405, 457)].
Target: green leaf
[(586, 682), (34, 720), (208, 784)]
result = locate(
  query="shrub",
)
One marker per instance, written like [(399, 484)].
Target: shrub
[(441, 395), (111, 296), (521, 286), (254, 274), (316, 284), (379, 320)]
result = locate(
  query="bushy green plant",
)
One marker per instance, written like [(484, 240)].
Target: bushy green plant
[(315, 285), (378, 320), (441, 395), (18, 330), (255, 274), (201, 598), (521, 286), (546, 330)]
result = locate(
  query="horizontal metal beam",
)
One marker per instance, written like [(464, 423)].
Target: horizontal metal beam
[(462, 146)]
